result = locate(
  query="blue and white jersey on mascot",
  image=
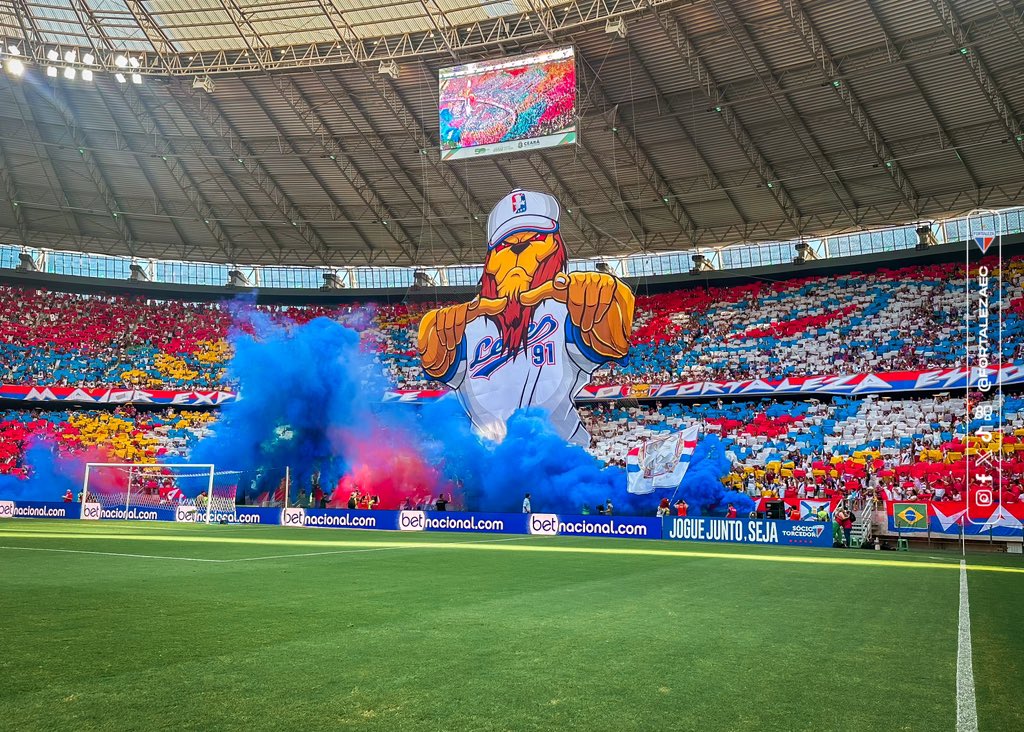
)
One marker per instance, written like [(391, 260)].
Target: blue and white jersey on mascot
[(535, 334)]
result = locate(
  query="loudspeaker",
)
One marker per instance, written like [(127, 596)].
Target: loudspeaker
[(775, 509)]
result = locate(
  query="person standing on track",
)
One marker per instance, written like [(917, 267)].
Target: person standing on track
[(526, 504), (844, 517)]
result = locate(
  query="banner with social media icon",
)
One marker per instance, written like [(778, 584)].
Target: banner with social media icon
[(999, 519)]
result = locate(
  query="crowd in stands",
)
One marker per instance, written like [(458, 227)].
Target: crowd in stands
[(909, 318), (125, 434), (906, 448), (888, 320)]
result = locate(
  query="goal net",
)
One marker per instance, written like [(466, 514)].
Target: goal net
[(137, 490)]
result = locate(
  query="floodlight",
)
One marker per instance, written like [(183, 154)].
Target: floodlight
[(205, 83), (52, 55), (15, 67), (136, 78), (86, 74), (69, 73), (69, 56), (15, 51), (120, 78), (88, 59), (133, 62), (120, 62), (51, 71), (615, 26)]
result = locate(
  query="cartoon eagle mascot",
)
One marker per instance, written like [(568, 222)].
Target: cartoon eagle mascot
[(535, 333)]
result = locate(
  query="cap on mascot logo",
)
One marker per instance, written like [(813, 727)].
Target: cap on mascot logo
[(521, 211)]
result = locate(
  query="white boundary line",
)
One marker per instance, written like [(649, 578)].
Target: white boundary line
[(114, 554), (248, 559), (966, 705), (376, 549)]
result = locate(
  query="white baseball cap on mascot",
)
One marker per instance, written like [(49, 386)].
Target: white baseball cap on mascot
[(521, 211)]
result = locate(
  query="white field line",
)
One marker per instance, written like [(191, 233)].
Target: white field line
[(376, 549), (250, 559), (112, 554), (966, 705)]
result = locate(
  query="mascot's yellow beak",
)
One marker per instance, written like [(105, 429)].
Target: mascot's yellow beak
[(515, 260)]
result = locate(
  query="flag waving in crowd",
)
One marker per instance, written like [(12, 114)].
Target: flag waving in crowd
[(660, 463)]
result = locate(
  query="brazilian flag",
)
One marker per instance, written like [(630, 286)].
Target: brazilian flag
[(910, 515)]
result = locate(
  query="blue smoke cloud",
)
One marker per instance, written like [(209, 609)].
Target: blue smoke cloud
[(300, 386), (313, 384), (532, 458), (310, 400), (50, 476), (702, 486)]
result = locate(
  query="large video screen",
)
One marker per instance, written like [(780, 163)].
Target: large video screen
[(506, 105)]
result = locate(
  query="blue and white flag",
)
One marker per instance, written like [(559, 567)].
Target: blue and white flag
[(661, 462)]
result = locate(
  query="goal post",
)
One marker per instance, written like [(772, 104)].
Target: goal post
[(128, 490)]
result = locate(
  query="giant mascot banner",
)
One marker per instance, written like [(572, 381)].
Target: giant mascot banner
[(535, 333)]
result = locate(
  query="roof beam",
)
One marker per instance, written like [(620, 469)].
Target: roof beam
[(346, 32), (742, 38), (364, 122), (31, 128), (326, 152), (401, 111), (208, 110), (11, 193), (962, 41), (188, 185), (828, 69), (162, 45), (875, 216), (593, 95), (145, 118), (54, 96), (682, 128), (424, 141), (688, 53), (593, 237), (478, 38), (157, 198), (317, 127), (943, 130), (429, 148)]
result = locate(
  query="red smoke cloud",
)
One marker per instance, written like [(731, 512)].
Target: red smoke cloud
[(386, 463)]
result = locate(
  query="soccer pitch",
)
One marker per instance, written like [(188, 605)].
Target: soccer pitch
[(137, 626)]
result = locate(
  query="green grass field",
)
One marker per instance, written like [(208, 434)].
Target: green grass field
[(162, 626)]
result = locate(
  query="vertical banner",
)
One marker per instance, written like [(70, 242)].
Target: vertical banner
[(983, 463)]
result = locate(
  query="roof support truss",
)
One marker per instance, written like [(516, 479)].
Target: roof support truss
[(812, 40), (685, 49), (963, 41), (594, 97)]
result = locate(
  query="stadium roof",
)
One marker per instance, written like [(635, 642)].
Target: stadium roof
[(711, 122)]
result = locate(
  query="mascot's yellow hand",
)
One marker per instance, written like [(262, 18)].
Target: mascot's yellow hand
[(442, 330), (599, 305), (587, 295)]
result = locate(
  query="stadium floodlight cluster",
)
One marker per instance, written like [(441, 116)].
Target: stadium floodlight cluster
[(70, 66)]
